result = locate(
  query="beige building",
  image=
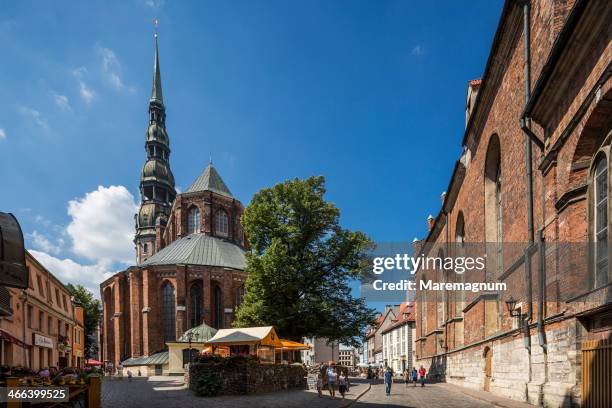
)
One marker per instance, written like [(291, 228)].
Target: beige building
[(39, 332)]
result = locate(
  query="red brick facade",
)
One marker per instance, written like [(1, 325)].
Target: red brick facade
[(133, 299), (474, 341)]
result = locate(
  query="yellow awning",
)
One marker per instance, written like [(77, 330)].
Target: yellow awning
[(294, 345)]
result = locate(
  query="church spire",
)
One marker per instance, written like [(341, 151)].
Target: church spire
[(156, 91), (157, 190)]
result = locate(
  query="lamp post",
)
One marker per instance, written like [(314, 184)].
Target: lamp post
[(189, 337)]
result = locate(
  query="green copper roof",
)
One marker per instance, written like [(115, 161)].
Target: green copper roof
[(154, 359), (199, 334), (200, 249), (156, 92), (210, 180)]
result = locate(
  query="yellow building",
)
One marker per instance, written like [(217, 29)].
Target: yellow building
[(39, 331), (78, 336)]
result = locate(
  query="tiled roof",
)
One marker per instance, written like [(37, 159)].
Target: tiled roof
[(405, 315), (154, 359), (200, 249), (210, 180)]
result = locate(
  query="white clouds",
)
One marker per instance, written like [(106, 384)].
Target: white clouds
[(154, 4), (102, 226), (61, 101), (86, 93), (417, 50), (111, 68), (101, 229), (34, 116), (69, 271), (39, 241), (2, 134)]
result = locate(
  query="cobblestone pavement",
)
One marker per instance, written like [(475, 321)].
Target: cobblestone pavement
[(169, 392), (430, 396)]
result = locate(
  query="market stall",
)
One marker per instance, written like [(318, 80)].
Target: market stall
[(258, 341)]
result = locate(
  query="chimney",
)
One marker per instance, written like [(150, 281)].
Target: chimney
[(430, 222)]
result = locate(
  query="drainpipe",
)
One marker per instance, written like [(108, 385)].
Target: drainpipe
[(529, 164), (530, 137)]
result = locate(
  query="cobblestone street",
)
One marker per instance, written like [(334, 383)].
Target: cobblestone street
[(167, 392), (164, 392), (431, 396)]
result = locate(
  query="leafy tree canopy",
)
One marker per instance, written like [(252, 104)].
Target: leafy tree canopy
[(300, 264), (91, 309)]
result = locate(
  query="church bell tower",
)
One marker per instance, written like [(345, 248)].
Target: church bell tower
[(156, 182)]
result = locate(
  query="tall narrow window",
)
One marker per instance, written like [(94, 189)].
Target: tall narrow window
[(600, 224), (218, 308), (221, 223), (239, 296), (168, 312), (193, 220), (493, 209), (195, 297)]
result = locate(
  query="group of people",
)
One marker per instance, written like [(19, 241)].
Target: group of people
[(335, 379), (413, 376)]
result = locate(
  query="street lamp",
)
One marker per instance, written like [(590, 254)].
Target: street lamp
[(511, 305), (190, 336)]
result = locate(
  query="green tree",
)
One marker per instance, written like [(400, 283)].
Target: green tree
[(300, 264), (91, 309)]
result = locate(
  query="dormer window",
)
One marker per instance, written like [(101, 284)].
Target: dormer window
[(221, 223), (193, 220)]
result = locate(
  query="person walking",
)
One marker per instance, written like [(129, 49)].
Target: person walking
[(388, 378), (332, 376), (415, 376), (406, 376), (320, 385), (422, 373), (342, 384)]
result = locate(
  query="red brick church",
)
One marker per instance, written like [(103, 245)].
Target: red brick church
[(190, 251)]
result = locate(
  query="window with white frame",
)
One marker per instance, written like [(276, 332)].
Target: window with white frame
[(193, 220)]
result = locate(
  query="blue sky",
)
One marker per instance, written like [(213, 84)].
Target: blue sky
[(368, 93)]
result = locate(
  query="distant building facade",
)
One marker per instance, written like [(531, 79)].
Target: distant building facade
[(321, 351), (347, 356), (397, 340), (190, 250)]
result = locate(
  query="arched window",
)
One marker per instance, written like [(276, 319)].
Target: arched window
[(193, 220), (239, 296), (195, 301), (168, 312), (145, 248), (441, 295), (493, 209), (600, 219), (221, 223)]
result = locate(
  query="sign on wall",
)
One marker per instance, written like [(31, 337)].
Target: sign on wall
[(42, 341)]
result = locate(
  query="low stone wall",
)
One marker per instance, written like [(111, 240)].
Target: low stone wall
[(226, 377)]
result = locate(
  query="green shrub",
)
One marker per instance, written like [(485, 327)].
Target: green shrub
[(208, 383)]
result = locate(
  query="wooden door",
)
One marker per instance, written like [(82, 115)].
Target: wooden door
[(596, 373)]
